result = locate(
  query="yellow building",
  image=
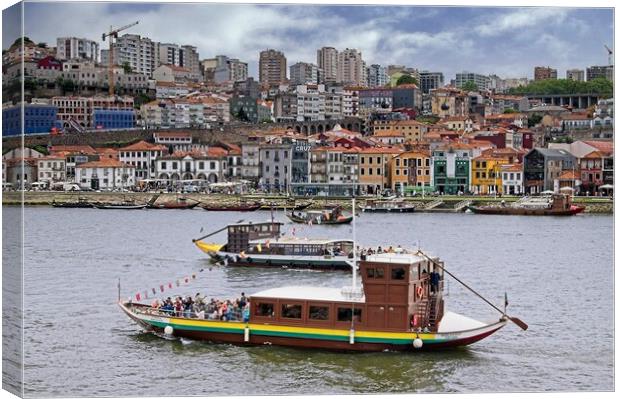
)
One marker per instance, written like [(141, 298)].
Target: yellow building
[(486, 172), (412, 130), (374, 168), (410, 168)]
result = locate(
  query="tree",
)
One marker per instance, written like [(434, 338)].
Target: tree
[(127, 67), (406, 79), (510, 111), (469, 86), (600, 86), (534, 120), (42, 44)]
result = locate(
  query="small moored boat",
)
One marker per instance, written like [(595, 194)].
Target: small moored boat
[(241, 207), (398, 206), (261, 245), (325, 216), (547, 205), (80, 203), (179, 203)]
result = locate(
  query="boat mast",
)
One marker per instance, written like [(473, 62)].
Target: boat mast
[(354, 248)]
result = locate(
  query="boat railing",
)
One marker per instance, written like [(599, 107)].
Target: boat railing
[(235, 315)]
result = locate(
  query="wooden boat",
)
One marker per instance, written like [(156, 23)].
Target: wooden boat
[(549, 205), (261, 245), (398, 206), (325, 216), (232, 208), (80, 203), (292, 205), (120, 205), (397, 308), (179, 203)]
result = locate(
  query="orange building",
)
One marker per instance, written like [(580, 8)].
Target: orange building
[(410, 169), (374, 168)]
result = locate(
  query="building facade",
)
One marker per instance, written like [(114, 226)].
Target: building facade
[(68, 48), (543, 73), (272, 67)]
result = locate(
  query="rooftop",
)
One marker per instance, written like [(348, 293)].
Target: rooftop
[(308, 293)]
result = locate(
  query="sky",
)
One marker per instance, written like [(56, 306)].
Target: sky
[(506, 41)]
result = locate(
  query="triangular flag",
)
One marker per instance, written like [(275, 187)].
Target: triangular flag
[(146, 295), (161, 288), (169, 285), (259, 248), (186, 280), (154, 291), (138, 296)]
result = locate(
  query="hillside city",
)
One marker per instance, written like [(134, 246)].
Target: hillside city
[(148, 114)]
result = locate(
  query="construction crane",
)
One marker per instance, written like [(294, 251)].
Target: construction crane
[(610, 53), (111, 35)]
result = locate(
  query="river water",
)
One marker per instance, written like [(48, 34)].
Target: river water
[(558, 273)]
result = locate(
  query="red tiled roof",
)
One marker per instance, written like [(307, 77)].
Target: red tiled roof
[(80, 149), (606, 146), (144, 146)]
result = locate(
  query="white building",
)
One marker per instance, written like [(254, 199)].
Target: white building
[(106, 173), (140, 53), (310, 103), (142, 156), (512, 179), (69, 48), (210, 165), (250, 161), (377, 76), (51, 169), (303, 73)]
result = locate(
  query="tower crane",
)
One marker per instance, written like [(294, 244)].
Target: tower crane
[(111, 35), (610, 53)]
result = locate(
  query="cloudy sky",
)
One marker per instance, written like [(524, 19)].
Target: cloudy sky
[(505, 41)]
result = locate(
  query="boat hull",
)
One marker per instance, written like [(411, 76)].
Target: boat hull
[(389, 210), (250, 208), (341, 220), (70, 205), (573, 210), (173, 206), (325, 262), (234, 332), (120, 206)]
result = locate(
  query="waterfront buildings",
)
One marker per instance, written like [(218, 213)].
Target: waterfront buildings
[(51, 169), (410, 169), (68, 48), (272, 67), (542, 73), (209, 166), (105, 174), (542, 168), (275, 160), (141, 156)]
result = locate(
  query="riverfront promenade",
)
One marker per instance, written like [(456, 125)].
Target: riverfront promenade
[(602, 205)]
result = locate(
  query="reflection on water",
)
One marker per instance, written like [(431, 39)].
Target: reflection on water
[(75, 256)]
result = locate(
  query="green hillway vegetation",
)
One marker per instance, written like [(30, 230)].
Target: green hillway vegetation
[(600, 86)]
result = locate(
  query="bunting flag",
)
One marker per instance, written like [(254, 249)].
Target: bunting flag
[(186, 280), (178, 283), (146, 294), (170, 285), (293, 231), (154, 292), (138, 296), (267, 243), (194, 276), (161, 288), (259, 248)]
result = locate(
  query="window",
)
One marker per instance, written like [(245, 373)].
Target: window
[(163, 165), (374, 272), (398, 273), (344, 314), (318, 313), (264, 309), (290, 311)]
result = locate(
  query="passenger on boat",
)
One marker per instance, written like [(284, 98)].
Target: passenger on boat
[(435, 277)]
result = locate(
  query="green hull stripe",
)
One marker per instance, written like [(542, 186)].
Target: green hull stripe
[(325, 337)]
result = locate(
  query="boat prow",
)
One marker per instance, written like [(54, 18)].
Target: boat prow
[(208, 248)]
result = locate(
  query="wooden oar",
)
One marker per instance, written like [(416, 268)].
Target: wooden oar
[(515, 320), (215, 232)]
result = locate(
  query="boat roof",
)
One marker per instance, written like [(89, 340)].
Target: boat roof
[(308, 293), (394, 257), (300, 240), (255, 223)]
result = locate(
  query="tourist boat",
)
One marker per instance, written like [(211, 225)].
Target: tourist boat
[(261, 245), (547, 205), (179, 203), (329, 216), (397, 206), (80, 203), (397, 308)]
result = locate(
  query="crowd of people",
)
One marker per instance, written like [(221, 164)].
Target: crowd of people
[(199, 307)]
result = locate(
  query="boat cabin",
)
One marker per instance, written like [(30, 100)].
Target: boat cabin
[(398, 294), (240, 234), (305, 246)]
